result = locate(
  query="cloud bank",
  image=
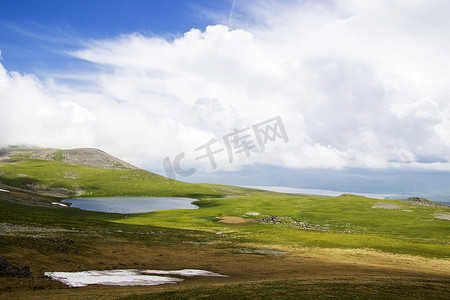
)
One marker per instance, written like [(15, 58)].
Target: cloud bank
[(356, 83)]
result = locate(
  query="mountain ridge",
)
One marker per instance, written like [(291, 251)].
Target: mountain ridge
[(87, 172), (84, 156)]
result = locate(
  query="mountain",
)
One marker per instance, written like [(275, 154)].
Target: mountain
[(85, 156), (86, 173)]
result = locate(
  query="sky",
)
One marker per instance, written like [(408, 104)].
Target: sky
[(209, 87)]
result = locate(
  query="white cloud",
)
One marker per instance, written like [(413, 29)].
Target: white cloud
[(357, 84)]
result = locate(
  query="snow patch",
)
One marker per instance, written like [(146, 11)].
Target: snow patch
[(6, 191), (112, 277), (60, 204), (130, 277), (185, 272)]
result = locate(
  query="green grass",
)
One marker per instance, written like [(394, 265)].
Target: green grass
[(58, 155), (96, 182), (352, 223), (174, 239), (350, 219)]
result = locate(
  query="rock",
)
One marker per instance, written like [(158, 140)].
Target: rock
[(9, 270), (252, 213), (421, 201), (386, 205), (289, 222), (84, 156)]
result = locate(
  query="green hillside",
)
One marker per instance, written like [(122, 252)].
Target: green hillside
[(348, 221), (315, 246), (20, 169)]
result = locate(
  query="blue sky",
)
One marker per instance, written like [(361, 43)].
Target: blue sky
[(356, 85), (35, 34)]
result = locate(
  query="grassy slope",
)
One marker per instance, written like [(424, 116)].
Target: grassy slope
[(395, 231), (352, 221), (95, 182)]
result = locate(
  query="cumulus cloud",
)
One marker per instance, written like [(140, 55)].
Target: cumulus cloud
[(356, 83)]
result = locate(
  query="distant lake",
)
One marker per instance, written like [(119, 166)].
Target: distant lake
[(289, 190), (443, 199), (131, 205)]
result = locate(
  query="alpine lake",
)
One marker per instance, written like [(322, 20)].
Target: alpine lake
[(131, 205)]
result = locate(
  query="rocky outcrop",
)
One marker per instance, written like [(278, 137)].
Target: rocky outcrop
[(289, 222), (54, 192), (421, 201), (95, 158), (84, 156), (9, 270), (387, 205)]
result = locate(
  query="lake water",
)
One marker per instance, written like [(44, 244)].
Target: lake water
[(131, 205), (289, 190), (443, 199)]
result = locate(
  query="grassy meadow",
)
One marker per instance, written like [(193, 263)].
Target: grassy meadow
[(349, 222), (272, 245)]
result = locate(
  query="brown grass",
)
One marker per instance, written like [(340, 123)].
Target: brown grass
[(302, 264)]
